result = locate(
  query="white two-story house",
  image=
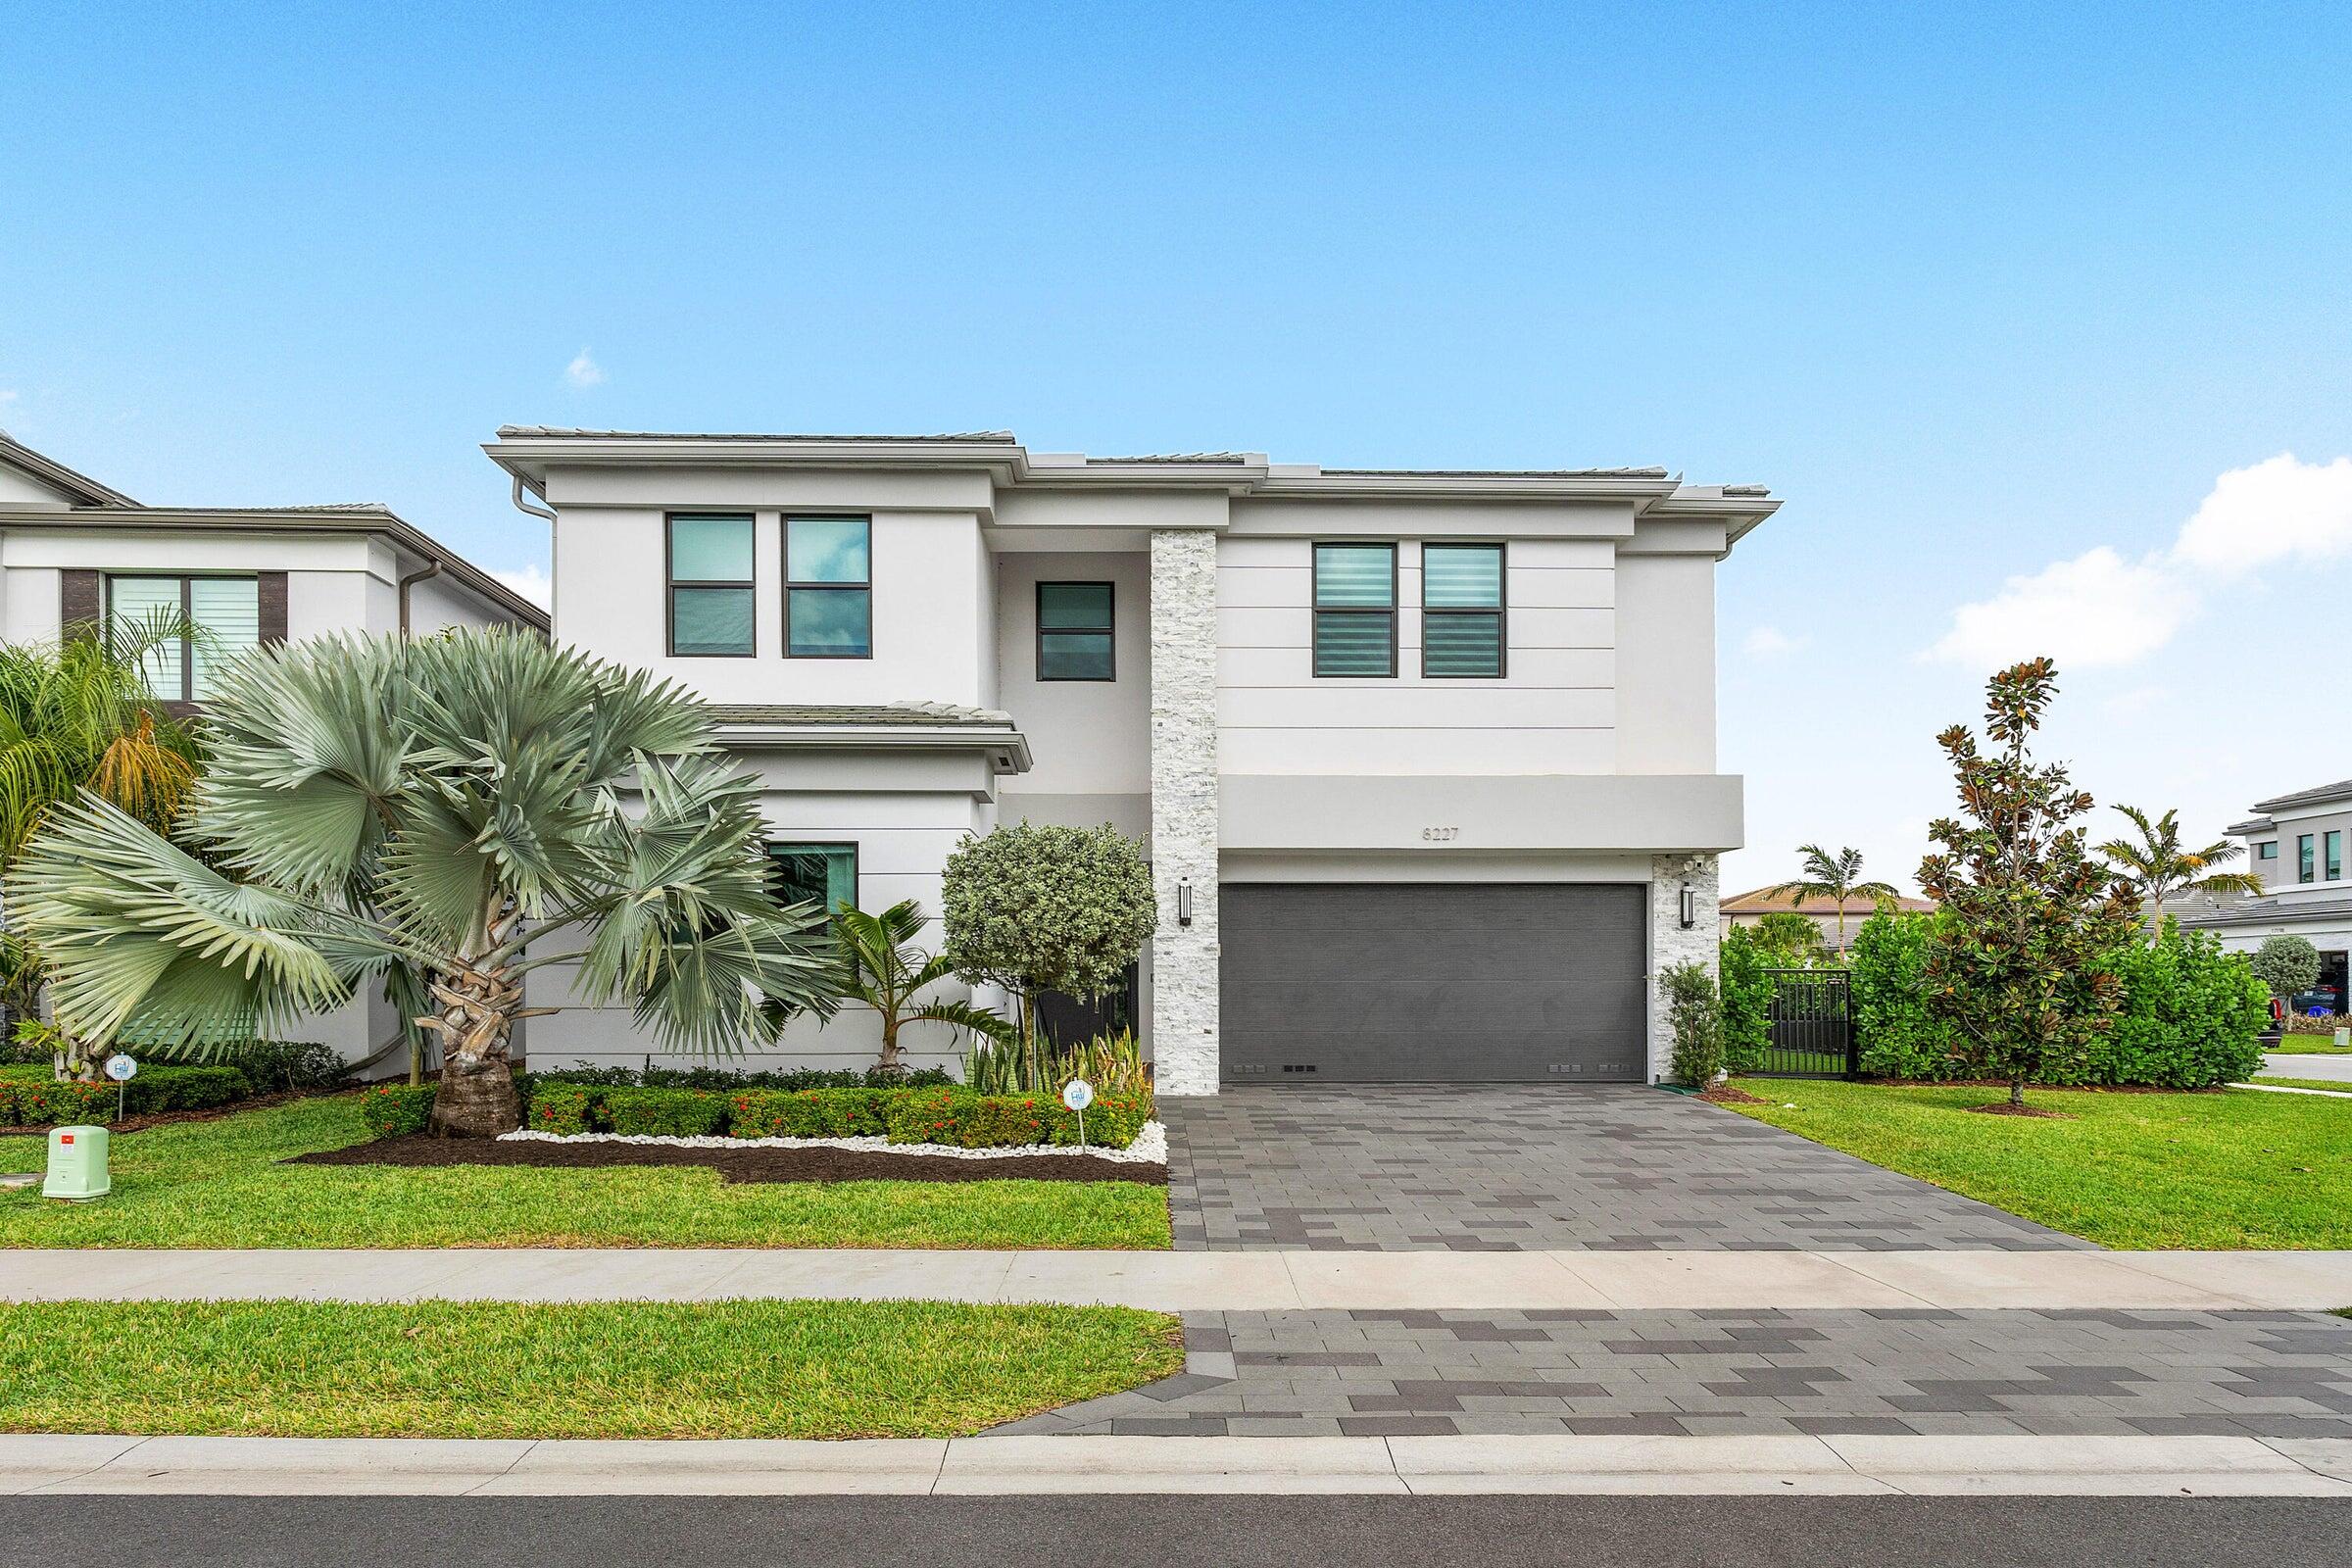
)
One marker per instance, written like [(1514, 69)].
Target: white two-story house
[(2296, 844), (1424, 762)]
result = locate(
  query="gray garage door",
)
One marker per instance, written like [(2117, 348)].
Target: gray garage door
[(1431, 982)]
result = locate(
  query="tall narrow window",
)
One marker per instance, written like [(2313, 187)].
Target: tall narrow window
[(1073, 631), (2303, 866), (824, 874), (828, 588), (1461, 610), (213, 619), (710, 586), (2268, 850), (1355, 610), (2333, 844)]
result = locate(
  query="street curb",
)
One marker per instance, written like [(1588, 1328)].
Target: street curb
[(1785, 1466)]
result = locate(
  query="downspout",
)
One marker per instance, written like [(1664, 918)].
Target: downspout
[(432, 570)]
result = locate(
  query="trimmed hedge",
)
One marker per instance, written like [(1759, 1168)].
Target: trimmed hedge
[(31, 1096), (665, 1113), (727, 1080), (1011, 1121), (1746, 992), (392, 1110), (812, 1114), (1886, 969), (563, 1109), (928, 1115)]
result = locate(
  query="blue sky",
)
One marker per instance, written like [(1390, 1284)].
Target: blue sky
[(1982, 294)]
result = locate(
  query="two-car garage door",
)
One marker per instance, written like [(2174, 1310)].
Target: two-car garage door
[(1432, 982)]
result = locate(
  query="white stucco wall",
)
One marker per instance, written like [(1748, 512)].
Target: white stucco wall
[(1087, 737), (1665, 713)]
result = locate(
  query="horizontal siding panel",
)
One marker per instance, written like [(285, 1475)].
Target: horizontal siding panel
[(1264, 628), (1562, 628), (1597, 554), (1264, 587), (1532, 667), (1416, 751), (1241, 552), (1450, 705), (1561, 587)]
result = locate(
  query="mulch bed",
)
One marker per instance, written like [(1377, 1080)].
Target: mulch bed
[(738, 1164), (165, 1118), (1726, 1095), (2004, 1108)]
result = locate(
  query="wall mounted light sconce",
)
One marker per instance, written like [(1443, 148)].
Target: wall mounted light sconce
[(1689, 908), (1184, 901)]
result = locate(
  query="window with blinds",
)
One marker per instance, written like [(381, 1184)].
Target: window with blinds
[(1355, 610), (185, 629), (1461, 610)]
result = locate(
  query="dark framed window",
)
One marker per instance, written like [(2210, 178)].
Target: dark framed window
[(824, 874), (2268, 850), (828, 588), (1073, 631), (2332, 847), (1461, 610), (710, 585), (2303, 866), (224, 614), (1355, 610)]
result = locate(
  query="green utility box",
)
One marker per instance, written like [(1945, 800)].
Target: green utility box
[(77, 1164)]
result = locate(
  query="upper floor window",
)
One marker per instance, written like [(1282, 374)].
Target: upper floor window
[(1073, 631), (223, 614), (710, 586), (2268, 850), (824, 874), (1355, 610), (828, 588), (1461, 610), (2303, 866), (2333, 844)]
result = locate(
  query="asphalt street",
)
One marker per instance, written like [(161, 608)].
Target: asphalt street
[(1137, 1532)]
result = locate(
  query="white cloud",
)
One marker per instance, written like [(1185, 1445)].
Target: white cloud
[(1770, 642), (2276, 510), (2097, 609), (2101, 608), (530, 582), (2137, 701), (584, 372)]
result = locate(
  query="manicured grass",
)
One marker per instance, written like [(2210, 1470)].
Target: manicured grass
[(2135, 1171), (218, 1184), (2308, 1046), (2341, 1086), (634, 1369)]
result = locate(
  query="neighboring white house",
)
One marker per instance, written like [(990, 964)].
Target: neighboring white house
[(2296, 844), (78, 553), (1424, 760)]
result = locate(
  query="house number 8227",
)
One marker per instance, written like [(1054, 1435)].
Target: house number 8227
[(1441, 835)]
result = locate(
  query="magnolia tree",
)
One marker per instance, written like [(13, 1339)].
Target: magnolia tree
[(459, 811), (1048, 908), (2023, 965)]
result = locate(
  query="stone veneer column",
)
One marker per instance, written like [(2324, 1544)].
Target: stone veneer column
[(1670, 944), (1184, 809)]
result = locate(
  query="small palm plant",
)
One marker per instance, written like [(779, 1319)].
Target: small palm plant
[(1836, 877), (2159, 866), (455, 806), (881, 967)]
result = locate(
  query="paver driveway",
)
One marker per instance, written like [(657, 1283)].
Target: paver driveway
[(1531, 1168)]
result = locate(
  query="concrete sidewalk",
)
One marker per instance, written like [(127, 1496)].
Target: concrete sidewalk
[(1179, 1282), (1771, 1466)]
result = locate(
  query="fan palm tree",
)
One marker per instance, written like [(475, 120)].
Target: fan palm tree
[(881, 967), (455, 804), (2159, 866), (76, 715), (1837, 877)]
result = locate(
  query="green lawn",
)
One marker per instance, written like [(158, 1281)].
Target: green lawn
[(483, 1369), (2213, 1170), (218, 1184), (2337, 1085), (2308, 1046)]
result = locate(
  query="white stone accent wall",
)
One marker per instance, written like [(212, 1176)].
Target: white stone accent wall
[(1184, 809), (1670, 944)]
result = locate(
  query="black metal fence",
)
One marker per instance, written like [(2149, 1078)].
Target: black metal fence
[(1812, 1026)]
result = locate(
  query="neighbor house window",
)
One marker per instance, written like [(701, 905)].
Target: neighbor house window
[(1355, 610), (2334, 846), (710, 586), (2267, 851), (1073, 631), (824, 874), (2303, 857), (828, 588), (1461, 610), (224, 614)]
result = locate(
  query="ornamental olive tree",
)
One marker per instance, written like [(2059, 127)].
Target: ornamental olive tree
[(2024, 968), (1048, 908), (2286, 965)]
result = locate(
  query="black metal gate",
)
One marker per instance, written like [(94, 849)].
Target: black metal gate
[(1812, 1026)]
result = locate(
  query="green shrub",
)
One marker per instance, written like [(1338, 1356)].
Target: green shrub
[(811, 1113), (730, 1080), (31, 1096), (1747, 999), (665, 1113), (1694, 1018), (392, 1110), (2192, 1017), (563, 1109), (2289, 966), (965, 1120), (277, 1065), (1886, 969)]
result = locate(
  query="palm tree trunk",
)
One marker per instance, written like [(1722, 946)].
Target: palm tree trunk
[(2017, 1093), (475, 1023), (890, 1038)]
